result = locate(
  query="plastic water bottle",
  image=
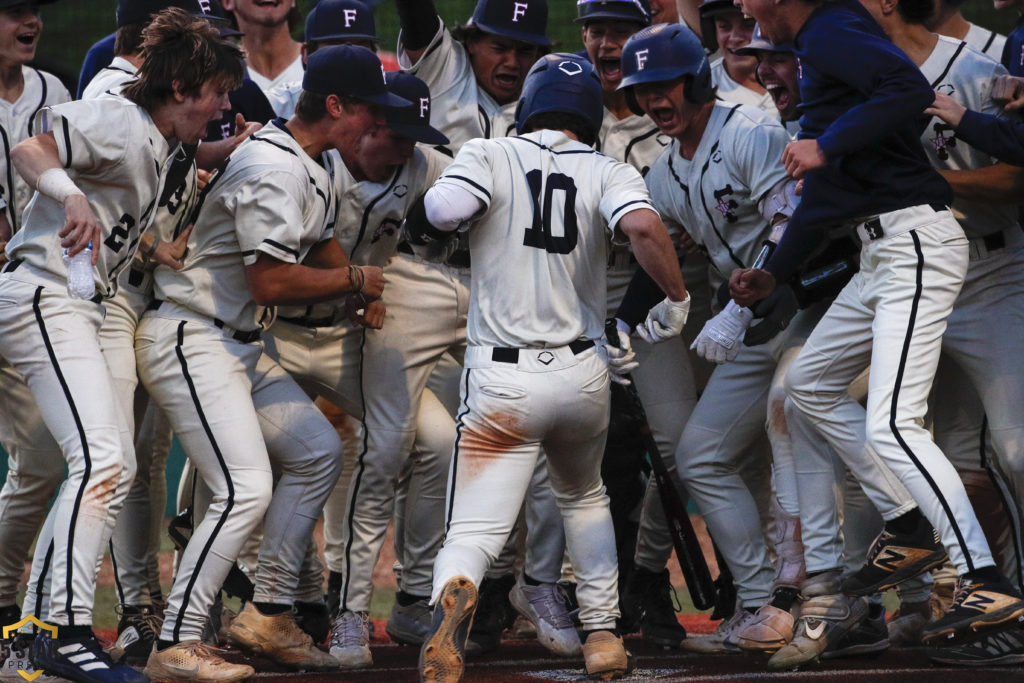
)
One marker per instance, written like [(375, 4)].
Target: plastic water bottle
[(80, 281)]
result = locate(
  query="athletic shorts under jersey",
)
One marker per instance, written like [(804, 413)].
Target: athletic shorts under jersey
[(714, 196), (273, 199), (550, 204), (114, 152), (960, 72)]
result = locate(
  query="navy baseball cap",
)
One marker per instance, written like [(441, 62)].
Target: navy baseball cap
[(758, 43), (617, 10), (413, 121), (136, 11), (349, 71), (525, 20), (7, 4), (341, 20)]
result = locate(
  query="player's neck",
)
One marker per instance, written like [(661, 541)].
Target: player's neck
[(615, 102), (269, 50), (954, 26), (914, 39), (12, 82), (312, 137), (689, 140)]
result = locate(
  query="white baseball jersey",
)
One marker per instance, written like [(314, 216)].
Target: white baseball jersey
[(715, 195), (541, 236), (731, 91), (91, 136), (293, 72), (369, 215), (109, 79), (957, 70), (283, 98), (17, 123), (634, 140), (462, 110), (985, 41), (272, 198)]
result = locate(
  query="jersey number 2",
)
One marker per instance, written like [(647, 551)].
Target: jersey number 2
[(540, 235)]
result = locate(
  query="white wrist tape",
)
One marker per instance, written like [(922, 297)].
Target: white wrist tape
[(56, 183)]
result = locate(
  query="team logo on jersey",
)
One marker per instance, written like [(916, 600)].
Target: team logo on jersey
[(726, 206), (716, 158), (519, 10), (570, 68), (941, 141), (400, 190), (388, 227), (641, 59), (946, 89)]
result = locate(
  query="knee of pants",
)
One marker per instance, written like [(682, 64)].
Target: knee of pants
[(252, 493), (1009, 447), (881, 433), (40, 481), (695, 458), (777, 411), (322, 460)]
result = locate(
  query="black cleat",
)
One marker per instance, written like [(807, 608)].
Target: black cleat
[(648, 597), (443, 656), (978, 606), (896, 557)]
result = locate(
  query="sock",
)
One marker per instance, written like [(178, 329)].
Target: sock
[(272, 609), (986, 575), (613, 631), (334, 581), (405, 599), (906, 523), (162, 644), (529, 580), (784, 597), (74, 631)]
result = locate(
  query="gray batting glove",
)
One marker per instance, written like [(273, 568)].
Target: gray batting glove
[(620, 359), (665, 320), (719, 341)]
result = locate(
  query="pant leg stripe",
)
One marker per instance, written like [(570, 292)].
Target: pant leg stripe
[(357, 478), (905, 352), (117, 579), (40, 594), (197, 570), (69, 579), (455, 455)]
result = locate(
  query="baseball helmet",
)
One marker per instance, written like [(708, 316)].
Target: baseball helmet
[(662, 53), (341, 20), (758, 43), (413, 121), (561, 82), (708, 9), (620, 10), (525, 20)]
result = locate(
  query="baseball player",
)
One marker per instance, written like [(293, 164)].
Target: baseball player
[(272, 56), (949, 21), (201, 339), (52, 339), (536, 308), (723, 27), (1013, 49), (913, 261)]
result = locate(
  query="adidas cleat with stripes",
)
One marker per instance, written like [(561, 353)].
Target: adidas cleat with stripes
[(81, 659)]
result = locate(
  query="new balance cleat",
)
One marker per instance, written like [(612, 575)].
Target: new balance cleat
[(978, 606), (443, 656), (896, 557)]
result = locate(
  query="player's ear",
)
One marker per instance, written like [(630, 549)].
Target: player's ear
[(178, 94), (334, 106)]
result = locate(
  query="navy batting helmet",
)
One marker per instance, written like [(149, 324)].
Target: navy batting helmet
[(708, 9), (616, 10), (561, 82), (341, 20), (662, 53), (525, 20)]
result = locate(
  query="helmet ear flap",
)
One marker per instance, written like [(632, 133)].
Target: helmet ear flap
[(632, 103), (708, 36), (520, 124), (698, 88)]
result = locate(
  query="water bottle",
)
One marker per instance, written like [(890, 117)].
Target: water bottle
[(80, 282)]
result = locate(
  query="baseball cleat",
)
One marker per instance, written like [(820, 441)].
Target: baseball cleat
[(191, 660), (137, 630), (80, 659), (770, 629), (544, 605), (442, 658), (279, 638), (978, 606), (896, 557), (350, 640), (908, 621), (493, 615), (314, 619), (725, 638), (869, 637), (995, 649), (409, 624), (604, 655), (648, 599), (826, 616)]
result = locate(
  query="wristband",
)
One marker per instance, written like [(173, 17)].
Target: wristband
[(351, 278), (57, 184), (148, 252)]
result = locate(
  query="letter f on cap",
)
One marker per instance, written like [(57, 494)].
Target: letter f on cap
[(350, 17), (519, 10), (641, 59)]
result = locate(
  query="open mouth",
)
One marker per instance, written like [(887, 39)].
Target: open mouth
[(27, 38), (779, 93), (267, 3), (662, 116), (610, 68), (507, 81)]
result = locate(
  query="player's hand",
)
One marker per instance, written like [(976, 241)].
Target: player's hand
[(80, 227), (749, 285), (947, 109), (802, 156), (685, 243), (775, 312), (172, 254), (665, 320), (1008, 91), (202, 178), (372, 283), (244, 129), (365, 313), (620, 358), (719, 341)]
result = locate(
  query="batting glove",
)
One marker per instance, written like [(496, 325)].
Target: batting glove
[(719, 341), (665, 320), (620, 359)]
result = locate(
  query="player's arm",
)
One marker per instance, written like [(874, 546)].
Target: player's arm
[(1001, 138), (1001, 183), (38, 161), (278, 283), (419, 22), (653, 250)]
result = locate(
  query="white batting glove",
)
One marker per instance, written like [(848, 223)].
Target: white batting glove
[(665, 320), (719, 341), (621, 359)]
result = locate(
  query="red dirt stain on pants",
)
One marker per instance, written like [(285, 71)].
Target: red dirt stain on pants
[(488, 439)]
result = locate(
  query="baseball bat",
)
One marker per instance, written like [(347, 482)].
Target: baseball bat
[(684, 538)]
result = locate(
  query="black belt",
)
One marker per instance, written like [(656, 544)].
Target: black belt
[(13, 264), (873, 225), (459, 258), (307, 321), (996, 240), (503, 354), (237, 335)]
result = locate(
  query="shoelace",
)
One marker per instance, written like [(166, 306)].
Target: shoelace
[(350, 628), (960, 592), (148, 625), (546, 599)]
